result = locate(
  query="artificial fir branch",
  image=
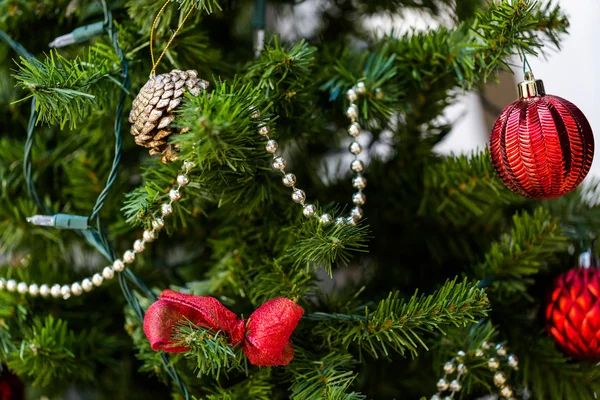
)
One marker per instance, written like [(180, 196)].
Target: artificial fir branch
[(319, 246), (66, 91), (550, 375), (258, 385), (284, 74), (460, 190), (527, 249), (211, 350), (397, 324), (327, 378)]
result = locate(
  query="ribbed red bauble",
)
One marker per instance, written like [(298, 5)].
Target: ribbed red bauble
[(573, 313), (542, 146)]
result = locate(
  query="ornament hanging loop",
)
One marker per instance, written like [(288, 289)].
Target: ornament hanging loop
[(152, 30)]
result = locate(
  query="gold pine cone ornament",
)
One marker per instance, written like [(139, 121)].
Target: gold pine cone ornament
[(153, 110)]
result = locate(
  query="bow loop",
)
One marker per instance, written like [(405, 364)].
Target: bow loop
[(264, 338)]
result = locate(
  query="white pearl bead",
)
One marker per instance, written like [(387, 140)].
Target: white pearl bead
[(188, 164), (65, 291), (271, 146), (158, 223), (461, 369), (359, 198), (501, 350), (149, 236), (34, 290), (289, 180), (435, 397), (513, 361), (166, 209), (138, 246), (87, 285), (22, 287), (76, 289), (442, 385), (359, 182), (325, 219), (279, 163), (506, 391), (354, 129), (499, 379), (355, 148), (478, 353), (129, 256), (360, 88), (493, 363), (351, 95), (44, 290), (455, 386), (118, 265), (309, 210), (174, 194), (183, 179), (449, 367), (340, 221), (108, 273), (379, 94), (356, 212), (263, 130), (352, 111), (357, 166), (351, 220), (255, 114), (487, 345), (298, 196), (11, 285), (97, 279)]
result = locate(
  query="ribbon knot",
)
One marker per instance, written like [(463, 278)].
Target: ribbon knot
[(264, 337)]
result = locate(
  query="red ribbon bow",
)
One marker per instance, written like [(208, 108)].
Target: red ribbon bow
[(264, 337)]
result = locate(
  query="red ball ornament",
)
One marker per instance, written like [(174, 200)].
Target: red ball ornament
[(573, 313), (541, 146)]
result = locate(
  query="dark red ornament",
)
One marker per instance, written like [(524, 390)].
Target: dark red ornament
[(264, 337), (542, 146), (573, 313), (11, 387)]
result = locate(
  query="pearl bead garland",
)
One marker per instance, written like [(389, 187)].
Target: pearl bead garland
[(495, 356), (119, 265), (358, 182)]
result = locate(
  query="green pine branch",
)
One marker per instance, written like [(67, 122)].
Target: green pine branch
[(464, 189), (397, 325), (377, 71), (578, 212), (211, 350), (257, 386), (531, 245), (328, 378), (67, 91), (284, 73), (431, 63), (550, 375), (48, 354), (222, 132), (318, 246)]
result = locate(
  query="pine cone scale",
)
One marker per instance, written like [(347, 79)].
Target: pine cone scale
[(153, 110)]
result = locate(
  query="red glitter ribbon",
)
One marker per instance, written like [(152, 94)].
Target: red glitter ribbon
[(264, 337)]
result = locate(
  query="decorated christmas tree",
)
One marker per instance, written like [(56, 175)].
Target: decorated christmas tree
[(197, 203)]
